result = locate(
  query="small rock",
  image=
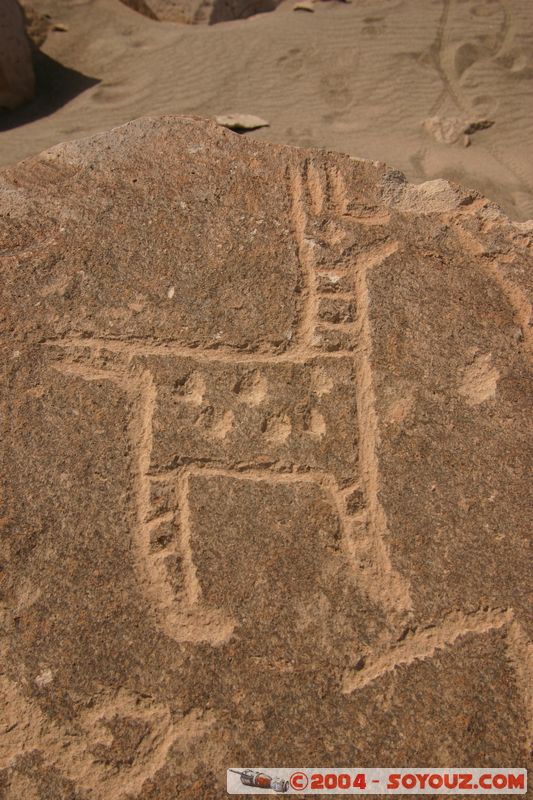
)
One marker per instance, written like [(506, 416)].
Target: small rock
[(446, 130), (60, 26), (44, 678), (478, 125), (304, 5), (242, 122)]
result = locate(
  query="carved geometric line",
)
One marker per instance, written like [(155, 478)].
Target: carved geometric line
[(422, 644), (139, 349), (425, 643), (183, 616)]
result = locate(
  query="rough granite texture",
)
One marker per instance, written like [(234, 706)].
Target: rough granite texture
[(266, 467), (17, 83)]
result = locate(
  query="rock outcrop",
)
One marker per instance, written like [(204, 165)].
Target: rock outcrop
[(38, 24), (141, 7), (17, 82), (266, 458), (201, 11)]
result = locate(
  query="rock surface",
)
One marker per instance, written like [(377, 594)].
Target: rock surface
[(198, 11), (266, 458), (38, 24), (17, 83), (141, 7)]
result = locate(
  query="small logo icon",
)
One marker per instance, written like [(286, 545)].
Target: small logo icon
[(259, 780)]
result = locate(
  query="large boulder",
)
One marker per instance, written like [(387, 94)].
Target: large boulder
[(201, 11), (266, 467), (17, 82)]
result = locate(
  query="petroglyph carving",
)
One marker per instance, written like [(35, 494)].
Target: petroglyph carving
[(84, 753), (182, 614), (422, 644), (252, 388), (191, 389), (164, 538), (274, 454)]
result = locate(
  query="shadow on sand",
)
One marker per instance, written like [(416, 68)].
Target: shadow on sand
[(55, 86)]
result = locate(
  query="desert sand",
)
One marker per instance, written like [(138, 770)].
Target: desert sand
[(360, 78)]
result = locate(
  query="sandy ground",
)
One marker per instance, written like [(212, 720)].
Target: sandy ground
[(359, 78)]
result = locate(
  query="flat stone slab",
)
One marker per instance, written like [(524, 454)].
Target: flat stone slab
[(241, 122), (266, 467)]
